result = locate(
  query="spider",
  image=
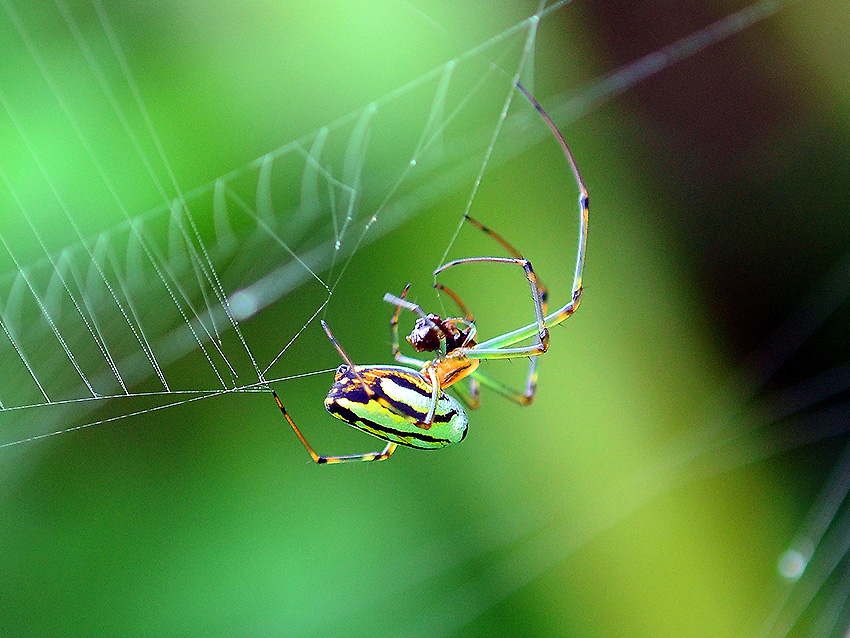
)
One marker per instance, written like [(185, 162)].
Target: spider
[(408, 405)]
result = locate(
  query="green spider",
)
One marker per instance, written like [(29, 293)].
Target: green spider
[(408, 406)]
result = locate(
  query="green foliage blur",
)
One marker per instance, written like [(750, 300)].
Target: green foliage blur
[(631, 499)]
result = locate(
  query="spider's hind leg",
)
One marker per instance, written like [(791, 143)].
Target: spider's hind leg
[(348, 458)]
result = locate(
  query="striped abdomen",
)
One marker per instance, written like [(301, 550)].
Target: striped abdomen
[(397, 409)]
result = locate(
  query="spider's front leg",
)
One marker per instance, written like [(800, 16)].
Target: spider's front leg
[(497, 348), (540, 296), (536, 295)]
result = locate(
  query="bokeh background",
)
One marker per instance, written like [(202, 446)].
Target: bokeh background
[(688, 418)]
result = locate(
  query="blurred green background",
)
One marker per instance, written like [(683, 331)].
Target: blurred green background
[(663, 468)]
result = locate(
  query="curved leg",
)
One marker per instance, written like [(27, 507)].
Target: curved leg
[(584, 211), (509, 393), (397, 355), (487, 350), (471, 397), (544, 291), (531, 381), (349, 458), (542, 295), (467, 315), (542, 332), (468, 321), (496, 348)]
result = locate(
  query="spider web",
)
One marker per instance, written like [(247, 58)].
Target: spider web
[(94, 322), (89, 323)]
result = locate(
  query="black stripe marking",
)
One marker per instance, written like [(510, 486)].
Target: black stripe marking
[(405, 381), (350, 417), (354, 391), (408, 410)]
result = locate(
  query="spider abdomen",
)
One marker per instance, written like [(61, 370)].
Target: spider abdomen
[(395, 407)]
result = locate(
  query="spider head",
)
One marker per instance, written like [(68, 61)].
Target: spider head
[(428, 333)]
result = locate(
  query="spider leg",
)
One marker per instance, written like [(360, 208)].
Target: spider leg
[(397, 354), (435, 395), (469, 396), (531, 379), (541, 288), (522, 398), (463, 308), (498, 347), (544, 291), (529, 274), (486, 349), (468, 320), (584, 210), (348, 458), (490, 348), (347, 359)]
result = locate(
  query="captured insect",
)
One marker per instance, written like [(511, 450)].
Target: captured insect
[(408, 405)]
